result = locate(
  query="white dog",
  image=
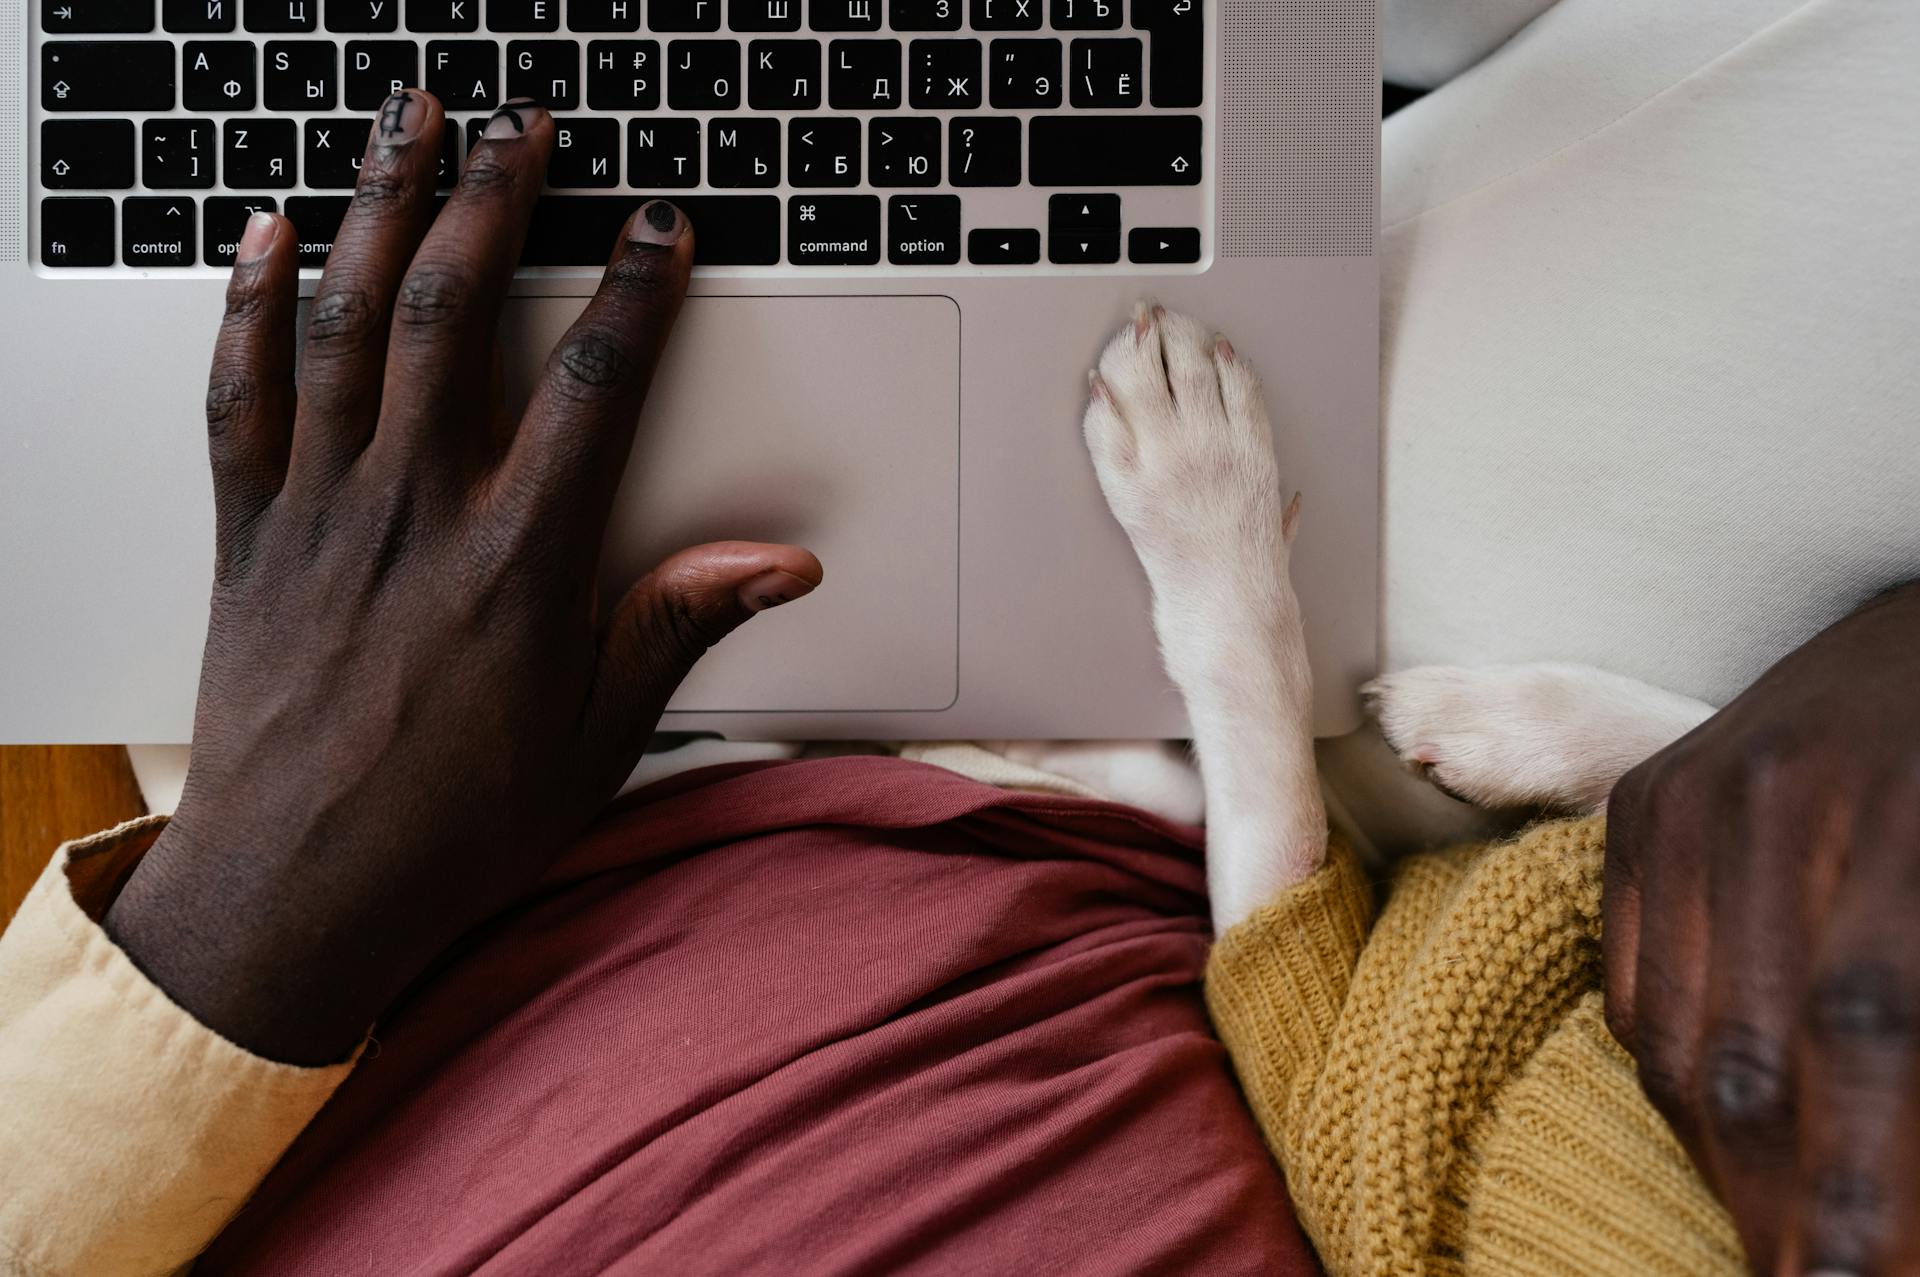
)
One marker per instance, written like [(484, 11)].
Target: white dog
[(1180, 440)]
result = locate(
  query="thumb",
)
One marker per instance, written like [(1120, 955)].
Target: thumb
[(673, 614)]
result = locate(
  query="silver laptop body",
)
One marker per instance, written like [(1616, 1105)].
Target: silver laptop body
[(884, 357)]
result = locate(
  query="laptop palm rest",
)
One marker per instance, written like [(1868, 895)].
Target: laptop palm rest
[(828, 422)]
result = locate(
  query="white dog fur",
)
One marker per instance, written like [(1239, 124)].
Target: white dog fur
[(1180, 440)]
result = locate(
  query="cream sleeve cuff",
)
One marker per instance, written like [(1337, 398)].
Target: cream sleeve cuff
[(129, 1132)]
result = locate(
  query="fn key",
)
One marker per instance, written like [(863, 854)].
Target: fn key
[(76, 231)]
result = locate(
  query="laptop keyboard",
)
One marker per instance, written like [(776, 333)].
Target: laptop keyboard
[(865, 134)]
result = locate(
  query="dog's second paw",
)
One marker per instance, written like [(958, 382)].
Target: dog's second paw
[(1526, 735), (1184, 454)]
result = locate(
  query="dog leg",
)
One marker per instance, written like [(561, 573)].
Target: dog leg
[(1527, 735), (1180, 441)]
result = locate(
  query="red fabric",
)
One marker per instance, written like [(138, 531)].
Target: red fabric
[(848, 1016)]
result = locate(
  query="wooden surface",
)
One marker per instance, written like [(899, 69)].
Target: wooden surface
[(50, 793)]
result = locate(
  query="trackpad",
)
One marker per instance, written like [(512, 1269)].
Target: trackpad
[(829, 422)]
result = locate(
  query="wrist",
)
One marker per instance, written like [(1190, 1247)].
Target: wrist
[(213, 931)]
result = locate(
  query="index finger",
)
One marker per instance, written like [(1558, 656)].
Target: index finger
[(567, 459)]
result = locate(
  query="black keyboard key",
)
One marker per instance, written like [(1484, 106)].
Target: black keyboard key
[(983, 150), (280, 16), (1083, 212), (447, 172), (158, 230), (684, 15), (924, 15), (91, 17), (833, 230), (106, 75), (260, 153), (370, 16), (1083, 248), (523, 15), (579, 230), (86, 155), (376, 70), (198, 17), (1023, 74), (548, 71), (623, 75), (703, 75), (1083, 229), (176, 154), (1159, 245), (586, 153), (903, 151), (844, 15), (316, 221), (1085, 15), (823, 152), (663, 154), (300, 75), (1106, 73), (1008, 247), (923, 230), (744, 152), (783, 75), (1114, 150), (217, 75), (943, 74), (763, 15), (603, 15), (443, 15), (76, 231), (1006, 15), (334, 150), (863, 75), (464, 74), (224, 218), (1179, 40)]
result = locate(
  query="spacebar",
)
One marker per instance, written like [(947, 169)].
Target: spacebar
[(579, 230)]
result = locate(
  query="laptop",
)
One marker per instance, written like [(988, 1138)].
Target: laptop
[(918, 222)]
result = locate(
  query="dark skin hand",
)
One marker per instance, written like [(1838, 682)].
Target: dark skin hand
[(412, 698), (1762, 947)]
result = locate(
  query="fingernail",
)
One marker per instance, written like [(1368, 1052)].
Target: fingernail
[(771, 589), (1225, 348), (400, 119), (512, 120), (659, 224), (1142, 320), (262, 230), (1096, 385)]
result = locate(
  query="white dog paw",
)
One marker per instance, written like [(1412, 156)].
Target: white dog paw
[(1181, 444), (1526, 735)]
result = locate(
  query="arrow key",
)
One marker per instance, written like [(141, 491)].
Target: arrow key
[(1009, 247), (86, 155), (217, 75), (157, 230), (1082, 248), (1158, 245)]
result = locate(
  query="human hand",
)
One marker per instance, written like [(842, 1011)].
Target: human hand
[(1762, 962), (411, 698)]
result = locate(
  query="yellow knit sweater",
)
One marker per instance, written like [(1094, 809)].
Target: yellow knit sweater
[(1439, 1084)]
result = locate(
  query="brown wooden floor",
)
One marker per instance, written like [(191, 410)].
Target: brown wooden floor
[(50, 793)]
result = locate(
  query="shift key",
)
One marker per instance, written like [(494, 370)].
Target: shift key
[(1114, 150), (107, 75)]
